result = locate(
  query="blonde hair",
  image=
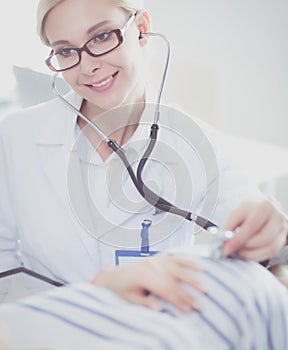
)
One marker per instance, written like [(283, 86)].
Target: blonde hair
[(45, 6)]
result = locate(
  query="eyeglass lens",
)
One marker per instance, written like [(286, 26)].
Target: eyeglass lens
[(98, 45)]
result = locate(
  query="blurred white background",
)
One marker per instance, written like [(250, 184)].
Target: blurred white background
[(19, 42), (229, 59), (230, 62), (229, 66)]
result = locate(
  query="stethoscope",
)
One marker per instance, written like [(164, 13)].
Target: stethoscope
[(151, 197)]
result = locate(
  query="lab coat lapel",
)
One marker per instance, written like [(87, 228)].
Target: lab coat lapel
[(56, 154), (54, 143), (54, 159)]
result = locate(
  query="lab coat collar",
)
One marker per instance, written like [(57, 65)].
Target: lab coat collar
[(59, 128)]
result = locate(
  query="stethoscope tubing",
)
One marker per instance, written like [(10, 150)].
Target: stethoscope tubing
[(151, 197)]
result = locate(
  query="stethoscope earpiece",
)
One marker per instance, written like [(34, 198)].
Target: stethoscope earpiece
[(141, 35)]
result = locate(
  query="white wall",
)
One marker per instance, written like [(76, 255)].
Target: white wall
[(229, 62)]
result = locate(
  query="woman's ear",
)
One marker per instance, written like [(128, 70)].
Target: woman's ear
[(143, 25)]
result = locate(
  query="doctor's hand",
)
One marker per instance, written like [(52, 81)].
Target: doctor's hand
[(261, 230), (157, 276)]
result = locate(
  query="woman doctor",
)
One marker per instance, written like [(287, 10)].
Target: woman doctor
[(55, 168)]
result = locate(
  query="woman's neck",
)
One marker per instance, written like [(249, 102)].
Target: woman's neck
[(117, 124)]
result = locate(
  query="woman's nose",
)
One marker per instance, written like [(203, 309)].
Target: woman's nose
[(89, 64)]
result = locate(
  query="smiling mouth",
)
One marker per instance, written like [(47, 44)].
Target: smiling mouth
[(103, 82)]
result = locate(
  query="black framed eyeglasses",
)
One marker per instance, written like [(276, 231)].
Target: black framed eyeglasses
[(99, 45)]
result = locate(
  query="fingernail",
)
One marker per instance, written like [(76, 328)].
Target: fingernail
[(201, 288), (186, 308), (156, 307), (204, 290), (197, 308)]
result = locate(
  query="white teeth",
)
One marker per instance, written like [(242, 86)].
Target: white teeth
[(104, 82)]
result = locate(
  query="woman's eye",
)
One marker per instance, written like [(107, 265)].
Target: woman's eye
[(66, 52), (101, 37)]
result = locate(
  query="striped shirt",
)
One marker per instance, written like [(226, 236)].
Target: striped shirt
[(245, 308)]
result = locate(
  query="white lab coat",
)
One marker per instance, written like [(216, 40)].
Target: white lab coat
[(45, 222)]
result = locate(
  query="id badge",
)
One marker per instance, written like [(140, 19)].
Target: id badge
[(130, 257)]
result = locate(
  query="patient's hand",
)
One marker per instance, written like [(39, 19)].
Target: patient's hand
[(262, 230), (163, 276)]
